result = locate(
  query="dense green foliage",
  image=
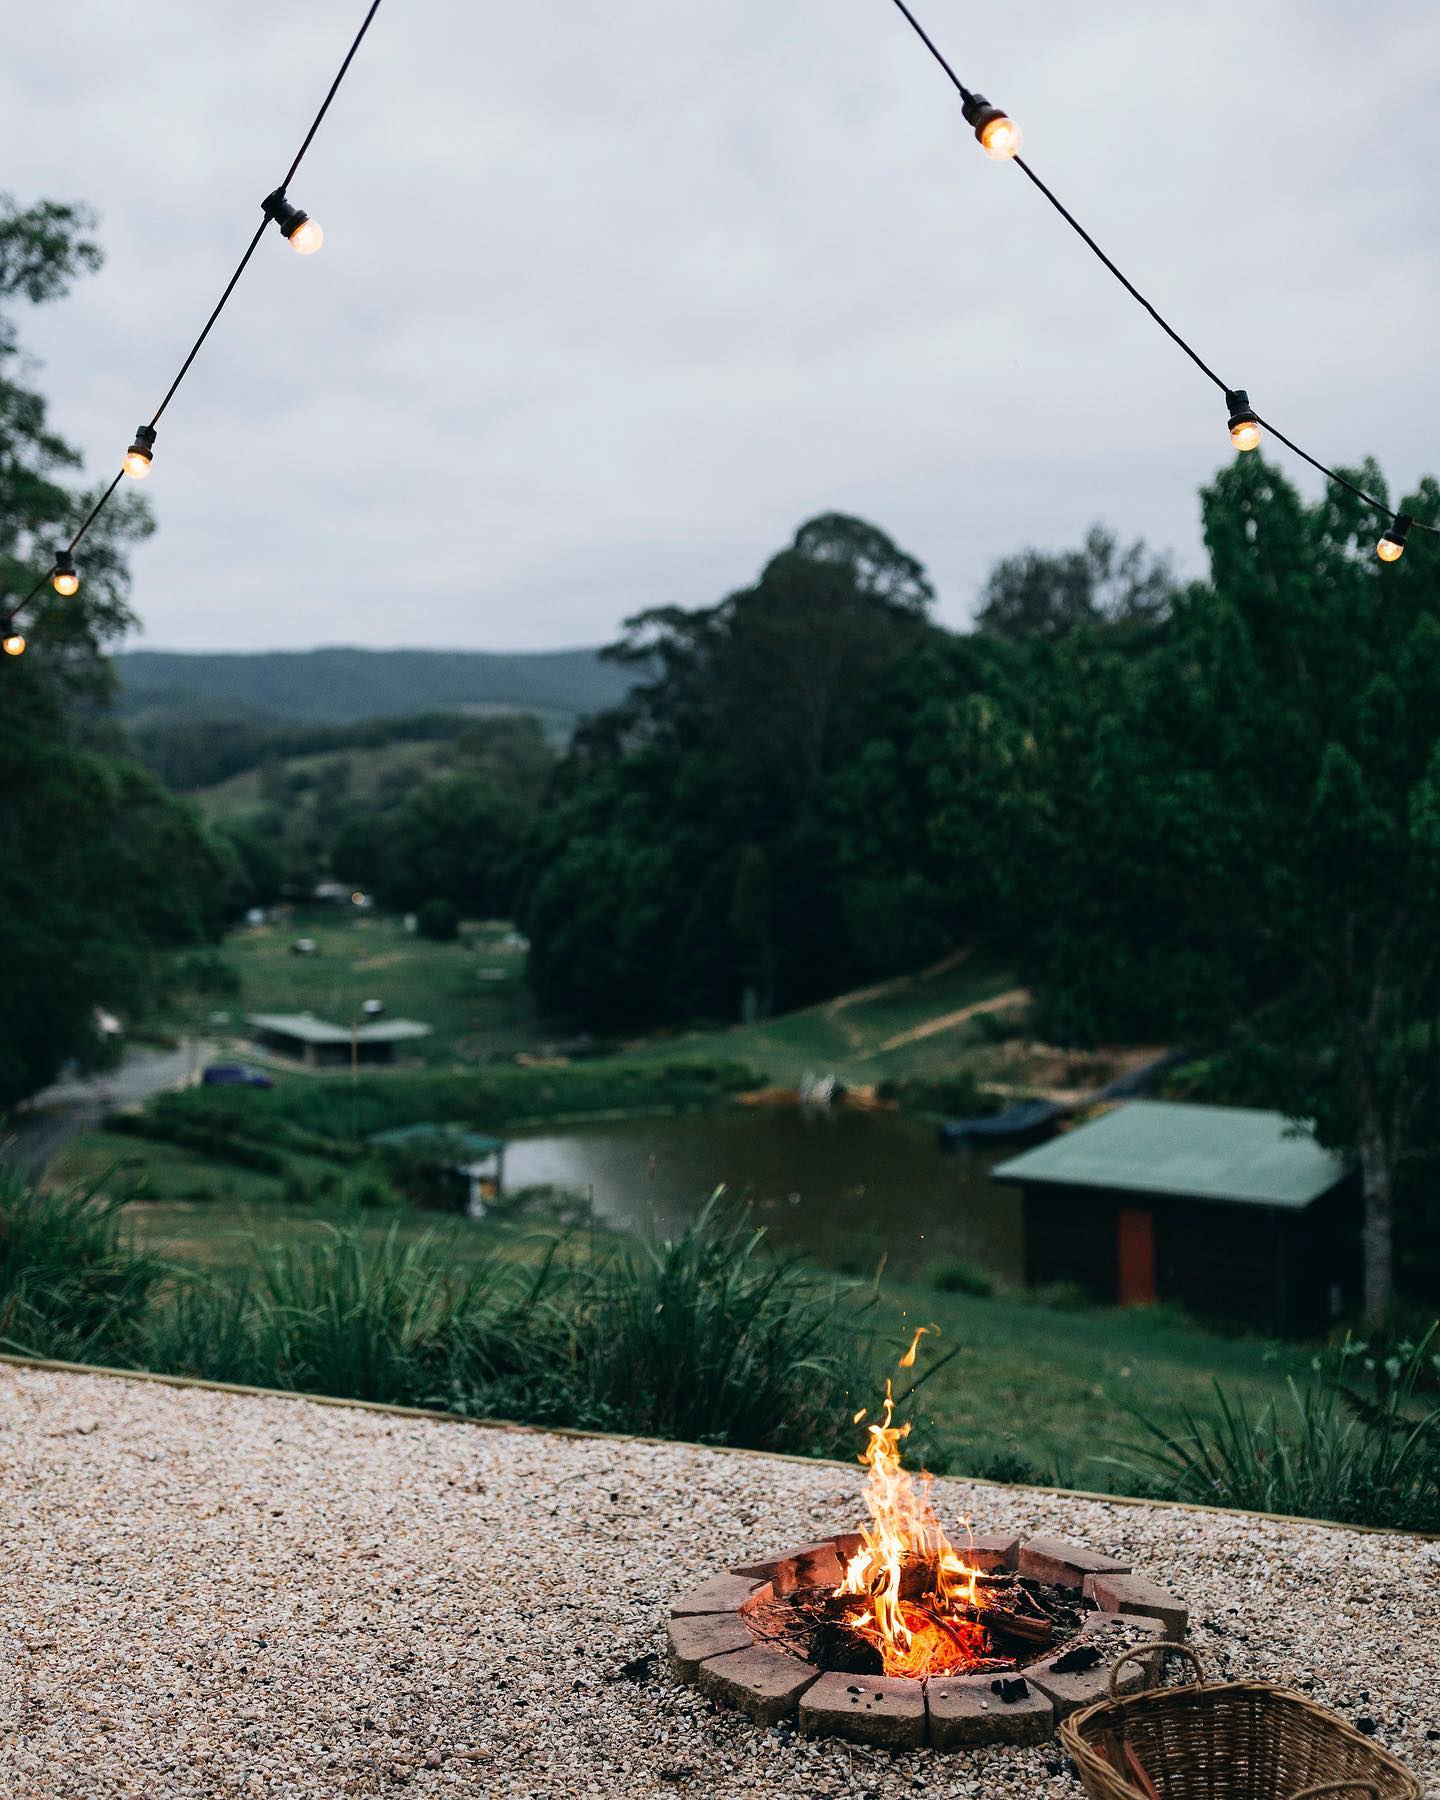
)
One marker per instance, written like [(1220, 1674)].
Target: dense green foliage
[(1362, 1445), (100, 868), (487, 1100)]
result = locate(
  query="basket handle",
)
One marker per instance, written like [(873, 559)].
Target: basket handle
[(1165, 1648), (1338, 1787)]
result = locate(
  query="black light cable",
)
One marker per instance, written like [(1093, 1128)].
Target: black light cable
[(1000, 137), (304, 235)]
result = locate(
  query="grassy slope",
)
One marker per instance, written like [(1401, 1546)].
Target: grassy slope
[(240, 794), (473, 992), (1050, 1386), (850, 1035)]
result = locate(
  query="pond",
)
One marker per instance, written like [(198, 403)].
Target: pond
[(842, 1187)]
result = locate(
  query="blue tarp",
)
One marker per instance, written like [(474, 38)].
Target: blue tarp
[(1006, 1127)]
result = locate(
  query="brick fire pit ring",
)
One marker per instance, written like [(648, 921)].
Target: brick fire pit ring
[(719, 1644)]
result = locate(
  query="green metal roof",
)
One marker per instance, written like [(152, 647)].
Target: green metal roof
[(454, 1140), (310, 1030), (1233, 1153)]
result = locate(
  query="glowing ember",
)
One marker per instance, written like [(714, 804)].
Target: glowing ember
[(919, 1600)]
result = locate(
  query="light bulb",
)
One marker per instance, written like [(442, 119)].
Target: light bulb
[(13, 642), (306, 239), (303, 232), (64, 578), (1392, 546), (137, 457), (1000, 138), (998, 133), (1244, 425), (1245, 435)]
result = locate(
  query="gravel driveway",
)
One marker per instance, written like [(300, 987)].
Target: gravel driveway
[(212, 1594)]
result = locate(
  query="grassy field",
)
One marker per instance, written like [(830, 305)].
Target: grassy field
[(924, 1024), (370, 768), (1030, 1387), (473, 992)]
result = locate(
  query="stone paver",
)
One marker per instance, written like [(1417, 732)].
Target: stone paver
[(868, 1709), (762, 1681), (702, 1635), (721, 1594), (1064, 1564), (965, 1710), (1134, 1594)]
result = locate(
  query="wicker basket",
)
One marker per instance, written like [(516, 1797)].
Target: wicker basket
[(1224, 1740)]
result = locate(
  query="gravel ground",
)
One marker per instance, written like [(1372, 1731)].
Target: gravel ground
[(211, 1594)]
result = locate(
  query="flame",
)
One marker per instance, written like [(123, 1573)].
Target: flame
[(907, 1361), (916, 1589)]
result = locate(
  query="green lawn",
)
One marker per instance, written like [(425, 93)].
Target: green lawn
[(473, 992), (855, 1035), (1053, 1387)]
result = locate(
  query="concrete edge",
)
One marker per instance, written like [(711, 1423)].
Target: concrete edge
[(54, 1366)]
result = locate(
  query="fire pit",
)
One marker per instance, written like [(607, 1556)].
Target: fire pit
[(895, 1635)]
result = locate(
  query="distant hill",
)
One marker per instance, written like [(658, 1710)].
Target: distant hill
[(342, 686)]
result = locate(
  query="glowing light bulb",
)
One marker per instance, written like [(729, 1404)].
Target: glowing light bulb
[(64, 578), (137, 458), (998, 133), (302, 232), (1244, 425), (1392, 546), (1000, 138), (306, 239), (13, 642)]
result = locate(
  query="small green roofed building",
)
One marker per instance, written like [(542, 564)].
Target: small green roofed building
[(470, 1164), (1224, 1210), (319, 1044)]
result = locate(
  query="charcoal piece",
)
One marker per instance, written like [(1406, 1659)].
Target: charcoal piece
[(639, 1668), (836, 1646), (1073, 1662)]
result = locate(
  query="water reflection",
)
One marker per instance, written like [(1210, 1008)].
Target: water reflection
[(845, 1187)]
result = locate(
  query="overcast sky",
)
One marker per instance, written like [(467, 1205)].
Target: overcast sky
[(614, 296)]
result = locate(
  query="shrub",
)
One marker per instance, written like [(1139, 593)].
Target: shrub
[(439, 921), (71, 1285), (957, 1095), (1361, 1445), (960, 1277), (204, 1139)]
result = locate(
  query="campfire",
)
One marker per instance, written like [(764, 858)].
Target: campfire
[(897, 1634), (909, 1602), (924, 1607)]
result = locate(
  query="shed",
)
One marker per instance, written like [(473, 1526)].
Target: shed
[(319, 1044), (474, 1161), (1224, 1210)]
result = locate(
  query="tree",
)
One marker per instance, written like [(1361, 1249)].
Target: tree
[(101, 871), (688, 855), (1235, 835), (1040, 594)]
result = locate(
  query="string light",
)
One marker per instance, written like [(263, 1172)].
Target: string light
[(998, 133), (13, 642), (138, 457), (1244, 423), (63, 577), (303, 233), (1392, 546)]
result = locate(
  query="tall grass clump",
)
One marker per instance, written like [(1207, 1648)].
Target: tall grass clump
[(709, 1336), (71, 1284), (1360, 1445)]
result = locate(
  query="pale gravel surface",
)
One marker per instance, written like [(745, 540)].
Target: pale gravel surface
[(207, 1594)]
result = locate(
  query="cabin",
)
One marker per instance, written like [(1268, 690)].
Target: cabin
[(1226, 1211), (320, 1045), (471, 1166)]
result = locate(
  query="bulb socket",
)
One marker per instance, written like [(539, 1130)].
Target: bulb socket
[(979, 112), (289, 218), (144, 445), (1241, 411)]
